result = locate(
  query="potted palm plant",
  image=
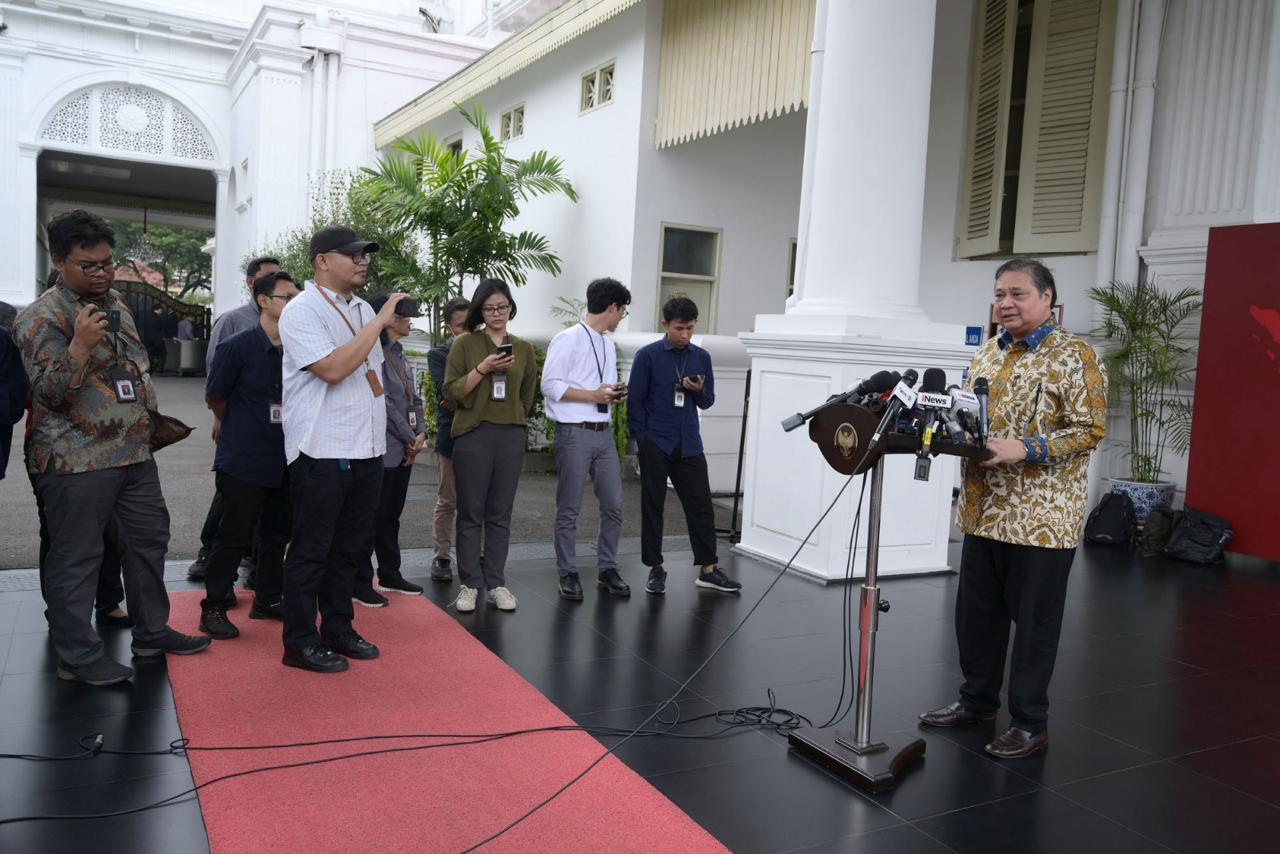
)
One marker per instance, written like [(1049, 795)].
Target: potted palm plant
[(1148, 347)]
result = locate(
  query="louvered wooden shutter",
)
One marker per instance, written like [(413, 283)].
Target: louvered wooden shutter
[(1064, 138), (988, 129)]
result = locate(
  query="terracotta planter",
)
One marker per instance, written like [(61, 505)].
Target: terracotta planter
[(1145, 496)]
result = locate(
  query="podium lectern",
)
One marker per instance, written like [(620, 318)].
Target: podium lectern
[(843, 434)]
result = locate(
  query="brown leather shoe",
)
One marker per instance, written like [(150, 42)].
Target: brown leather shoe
[(954, 715), (1016, 743)]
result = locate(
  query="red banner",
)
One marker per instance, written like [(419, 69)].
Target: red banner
[(1234, 469)]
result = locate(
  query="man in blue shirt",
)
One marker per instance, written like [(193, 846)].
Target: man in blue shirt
[(245, 392), (670, 380)]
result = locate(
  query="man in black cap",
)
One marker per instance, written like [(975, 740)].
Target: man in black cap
[(406, 437), (335, 424)]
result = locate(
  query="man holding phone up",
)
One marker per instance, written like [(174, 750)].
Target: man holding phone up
[(670, 381), (579, 384)]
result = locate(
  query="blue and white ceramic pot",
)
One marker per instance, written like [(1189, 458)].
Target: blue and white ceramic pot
[(1145, 496)]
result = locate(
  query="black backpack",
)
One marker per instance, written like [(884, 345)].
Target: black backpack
[(1198, 537), (1112, 522), (1158, 528)]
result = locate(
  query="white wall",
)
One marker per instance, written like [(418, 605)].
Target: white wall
[(593, 237)]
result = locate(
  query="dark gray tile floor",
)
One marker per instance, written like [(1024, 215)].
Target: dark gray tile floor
[(1164, 730)]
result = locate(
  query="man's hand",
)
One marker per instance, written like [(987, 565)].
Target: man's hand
[(1005, 451), (603, 394), (418, 444), (695, 384), (91, 328), (387, 316), (217, 429)]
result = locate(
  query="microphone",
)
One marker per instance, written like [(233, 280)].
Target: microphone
[(902, 396), (963, 416), (932, 396), (981, 390), (874, 384)]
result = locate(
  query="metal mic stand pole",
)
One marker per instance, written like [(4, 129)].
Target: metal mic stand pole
[(872, 765)]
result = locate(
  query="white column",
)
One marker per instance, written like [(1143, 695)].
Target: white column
[(331, 116), (315, 157), (228, 287), (17, 187), (1133, 202), (862, 256)]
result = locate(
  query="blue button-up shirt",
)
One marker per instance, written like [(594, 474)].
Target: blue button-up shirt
[(247, 374), (651, 411)]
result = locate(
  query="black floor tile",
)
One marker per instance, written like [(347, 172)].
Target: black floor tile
[(581, 687), (771, 804), (176, 829), (903, 839), (1182, 809), (1039, 822), (651, 755), (1251, 766), (27, 698)]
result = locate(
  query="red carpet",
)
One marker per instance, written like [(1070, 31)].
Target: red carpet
[(432, 677)]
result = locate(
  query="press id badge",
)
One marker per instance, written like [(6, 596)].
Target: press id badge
[(498, 390), (123, 384), (678, 399), (413, 418), (374, 383), (275, 413)]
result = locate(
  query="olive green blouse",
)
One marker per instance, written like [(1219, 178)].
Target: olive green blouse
[(469, 350)]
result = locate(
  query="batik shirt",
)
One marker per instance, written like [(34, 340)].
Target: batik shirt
[(1050, 391), (77, 420)]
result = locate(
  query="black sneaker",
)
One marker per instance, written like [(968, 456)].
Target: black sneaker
[(98, 673), (317, 658), (441, 570), (261, 610), (352, 646), (398, 585), (171, 641), (571, 587), (610, 580), (198, 567), (657, 583), (717, 580), (214, 623), (370, 599)]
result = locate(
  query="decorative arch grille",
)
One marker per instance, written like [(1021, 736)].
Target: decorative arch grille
[(124, 118)]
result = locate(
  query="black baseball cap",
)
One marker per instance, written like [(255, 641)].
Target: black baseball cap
[(339, 238)]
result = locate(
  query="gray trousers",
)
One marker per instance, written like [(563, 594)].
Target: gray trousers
[(78, 508), (580, 453), (486, 466)]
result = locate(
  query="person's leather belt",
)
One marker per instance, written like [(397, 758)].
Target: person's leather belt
[(598, 426)]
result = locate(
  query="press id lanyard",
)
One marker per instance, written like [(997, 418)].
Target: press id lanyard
[(369, 373), (678, 399), (406, 377), (600, 407)]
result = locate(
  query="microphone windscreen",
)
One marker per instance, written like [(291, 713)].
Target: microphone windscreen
[(909, 377), (935, 380), (980, 386), (879, 382)]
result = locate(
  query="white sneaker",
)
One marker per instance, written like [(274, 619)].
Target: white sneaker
[(503, 598), (466, 601)]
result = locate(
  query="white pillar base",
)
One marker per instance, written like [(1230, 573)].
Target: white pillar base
[(797, 362)]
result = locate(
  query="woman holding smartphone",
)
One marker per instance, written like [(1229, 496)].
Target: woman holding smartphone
[(491, 376)]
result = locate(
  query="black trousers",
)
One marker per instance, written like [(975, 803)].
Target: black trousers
[(689, 477), (110, 592), (333, 512), (1002, 583), (386, 529), (248, 508), (212, 521)]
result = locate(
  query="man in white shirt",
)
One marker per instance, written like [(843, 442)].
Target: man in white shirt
[(335, 425), (579, 384)]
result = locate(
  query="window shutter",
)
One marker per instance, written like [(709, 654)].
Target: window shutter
[(988, 129), (1065, 136)]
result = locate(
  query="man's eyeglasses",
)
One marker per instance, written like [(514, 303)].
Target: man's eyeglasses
[(285, 297), (625, 312), (106, 268), (496, 309), (357, 258)]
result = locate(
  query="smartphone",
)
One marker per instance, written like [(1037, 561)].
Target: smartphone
[(113, 320), (505, 349), (407, 307), (620, 391)]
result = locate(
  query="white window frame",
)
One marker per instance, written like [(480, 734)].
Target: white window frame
[(793, 265), (454, 144), (507, 123), (596, 76), (707, 314)]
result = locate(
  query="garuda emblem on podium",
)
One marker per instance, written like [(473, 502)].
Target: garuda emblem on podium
[(846, 440)]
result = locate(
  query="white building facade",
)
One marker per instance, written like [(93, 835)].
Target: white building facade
[(222, 120)]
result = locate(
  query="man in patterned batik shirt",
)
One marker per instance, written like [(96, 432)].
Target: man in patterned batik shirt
[(1022, 511)]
